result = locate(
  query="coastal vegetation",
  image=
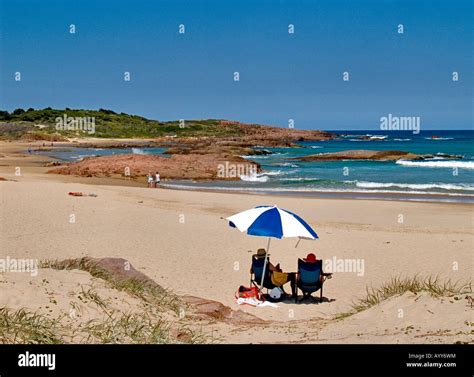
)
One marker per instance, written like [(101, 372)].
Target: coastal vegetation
[(59, 124), (397, 286), (108, 124), (155, 320)]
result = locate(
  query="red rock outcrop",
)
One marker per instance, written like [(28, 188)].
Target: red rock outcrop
[(361, 155), (267, 134), (189, 166)]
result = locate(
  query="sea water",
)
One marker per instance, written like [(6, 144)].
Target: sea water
[(440, 177)]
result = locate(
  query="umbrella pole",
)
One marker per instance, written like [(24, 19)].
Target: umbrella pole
[(299, 239), (265, 263)]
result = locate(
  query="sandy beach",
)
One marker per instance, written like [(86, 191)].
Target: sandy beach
[(181, 241), (265, 188)]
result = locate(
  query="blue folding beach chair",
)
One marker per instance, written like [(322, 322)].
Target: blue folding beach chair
[(309, 279), (256, 274)]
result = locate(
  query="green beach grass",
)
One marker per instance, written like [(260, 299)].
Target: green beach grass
[(397, 286), (156, 321)]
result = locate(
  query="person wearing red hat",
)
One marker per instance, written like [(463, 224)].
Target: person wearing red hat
[(311, 258)]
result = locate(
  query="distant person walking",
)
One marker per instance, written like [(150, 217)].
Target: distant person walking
[(149, 179), (157, 179)]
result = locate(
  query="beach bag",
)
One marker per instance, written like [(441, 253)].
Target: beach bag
[(247, 292), (279, 278)]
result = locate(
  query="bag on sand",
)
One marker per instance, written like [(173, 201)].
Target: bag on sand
[(279, 278), (246, 292)]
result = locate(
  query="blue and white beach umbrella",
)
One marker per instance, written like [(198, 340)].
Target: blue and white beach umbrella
[(270, 222)]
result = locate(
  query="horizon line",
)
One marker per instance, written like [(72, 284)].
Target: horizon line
[(469, 128)]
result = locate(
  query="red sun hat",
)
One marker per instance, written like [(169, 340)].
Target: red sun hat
[(310, 258)]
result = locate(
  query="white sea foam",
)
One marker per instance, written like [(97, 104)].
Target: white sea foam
[(439, 138), (414, 186), (300, 179), (322, 190), (254, 178), (277, 172), (288, 164), (138, 151), (257, 156), (316, 146), (401, 139), (438, 164)]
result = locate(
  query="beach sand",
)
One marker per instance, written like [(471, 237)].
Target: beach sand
[(181, 240)]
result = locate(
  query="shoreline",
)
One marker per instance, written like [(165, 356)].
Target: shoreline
[(204, 185), (355, 195)]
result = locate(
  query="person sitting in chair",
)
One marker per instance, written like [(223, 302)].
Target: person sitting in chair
[(277, 276), (311, 258), (311, 277)]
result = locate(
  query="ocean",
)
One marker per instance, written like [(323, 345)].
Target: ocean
[(439, 178)]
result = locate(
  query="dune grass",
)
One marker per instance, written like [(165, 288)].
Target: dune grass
[(397, 286), (144, 290), (128, 328), (142, 328), (25, 327), (92, 295), (151, 324)]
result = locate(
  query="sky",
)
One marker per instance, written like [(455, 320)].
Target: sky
[(282, 76)]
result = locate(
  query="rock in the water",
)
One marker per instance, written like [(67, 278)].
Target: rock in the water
[(362, 155)]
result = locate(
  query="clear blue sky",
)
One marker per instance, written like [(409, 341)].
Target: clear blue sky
[(282, 76)]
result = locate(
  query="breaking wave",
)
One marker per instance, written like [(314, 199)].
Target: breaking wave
[(138, 151), (415, 186), (438, 164), (254, 178)]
